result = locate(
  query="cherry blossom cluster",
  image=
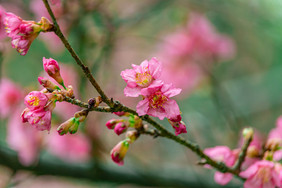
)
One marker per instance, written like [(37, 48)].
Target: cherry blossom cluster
[(261, 166), (40, 104), (23, 32), (144, 80)]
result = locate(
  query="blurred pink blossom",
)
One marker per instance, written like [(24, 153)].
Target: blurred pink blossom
[(223, 154), (23, 139), (11, 95), (262, 174), (72, 148), (2, 26), (186, 52), (157, 102), (274, 139)]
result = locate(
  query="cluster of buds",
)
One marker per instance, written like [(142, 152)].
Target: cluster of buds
[(144, 80), (120, 126), (23, 32), (40, 104), (119, 151)]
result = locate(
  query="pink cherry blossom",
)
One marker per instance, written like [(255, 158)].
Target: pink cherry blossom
[(223, 154), (72, 148), (119, 151), (157, 102), (12, 23), (141, 76), (23, 139), (10, 95), (262, 174), (39, 119), (120, 128), (36, 100)]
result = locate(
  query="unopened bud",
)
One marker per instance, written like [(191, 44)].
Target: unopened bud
[(120, 128), (248, 133), (47, 83), (52, 68), (81, 115), (73, 129), (112, 123), (119, 151), (64, 127)]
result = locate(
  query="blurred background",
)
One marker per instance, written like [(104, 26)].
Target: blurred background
[(225, 55)]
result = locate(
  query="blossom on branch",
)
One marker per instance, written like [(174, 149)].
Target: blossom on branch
[(141, 76), (23, 32), (157, 102)]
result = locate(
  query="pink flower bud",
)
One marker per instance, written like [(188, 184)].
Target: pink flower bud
[(119, 113), (119, 151), (47, 83), (52, 68), (64, 127), (179, 127), (112, 123), (35, 100), (120, 128)]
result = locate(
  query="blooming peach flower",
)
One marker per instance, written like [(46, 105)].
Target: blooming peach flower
[(222, 154), (72, 148), (157, 102), (40, 119), (12, 23), (11, 95), (36, 100), (119, 151), (141, 76), (23, 139), (262, 174)]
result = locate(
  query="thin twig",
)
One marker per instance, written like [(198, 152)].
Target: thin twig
[(242, 155), (116, 106)]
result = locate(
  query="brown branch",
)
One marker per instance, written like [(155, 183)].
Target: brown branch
[(115, 106)]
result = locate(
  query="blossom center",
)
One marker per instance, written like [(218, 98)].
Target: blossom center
[(264, 174), (157, 100), (33, 101), (143, 79)]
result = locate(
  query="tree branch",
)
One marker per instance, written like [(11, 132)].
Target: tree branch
[(115, 106)]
